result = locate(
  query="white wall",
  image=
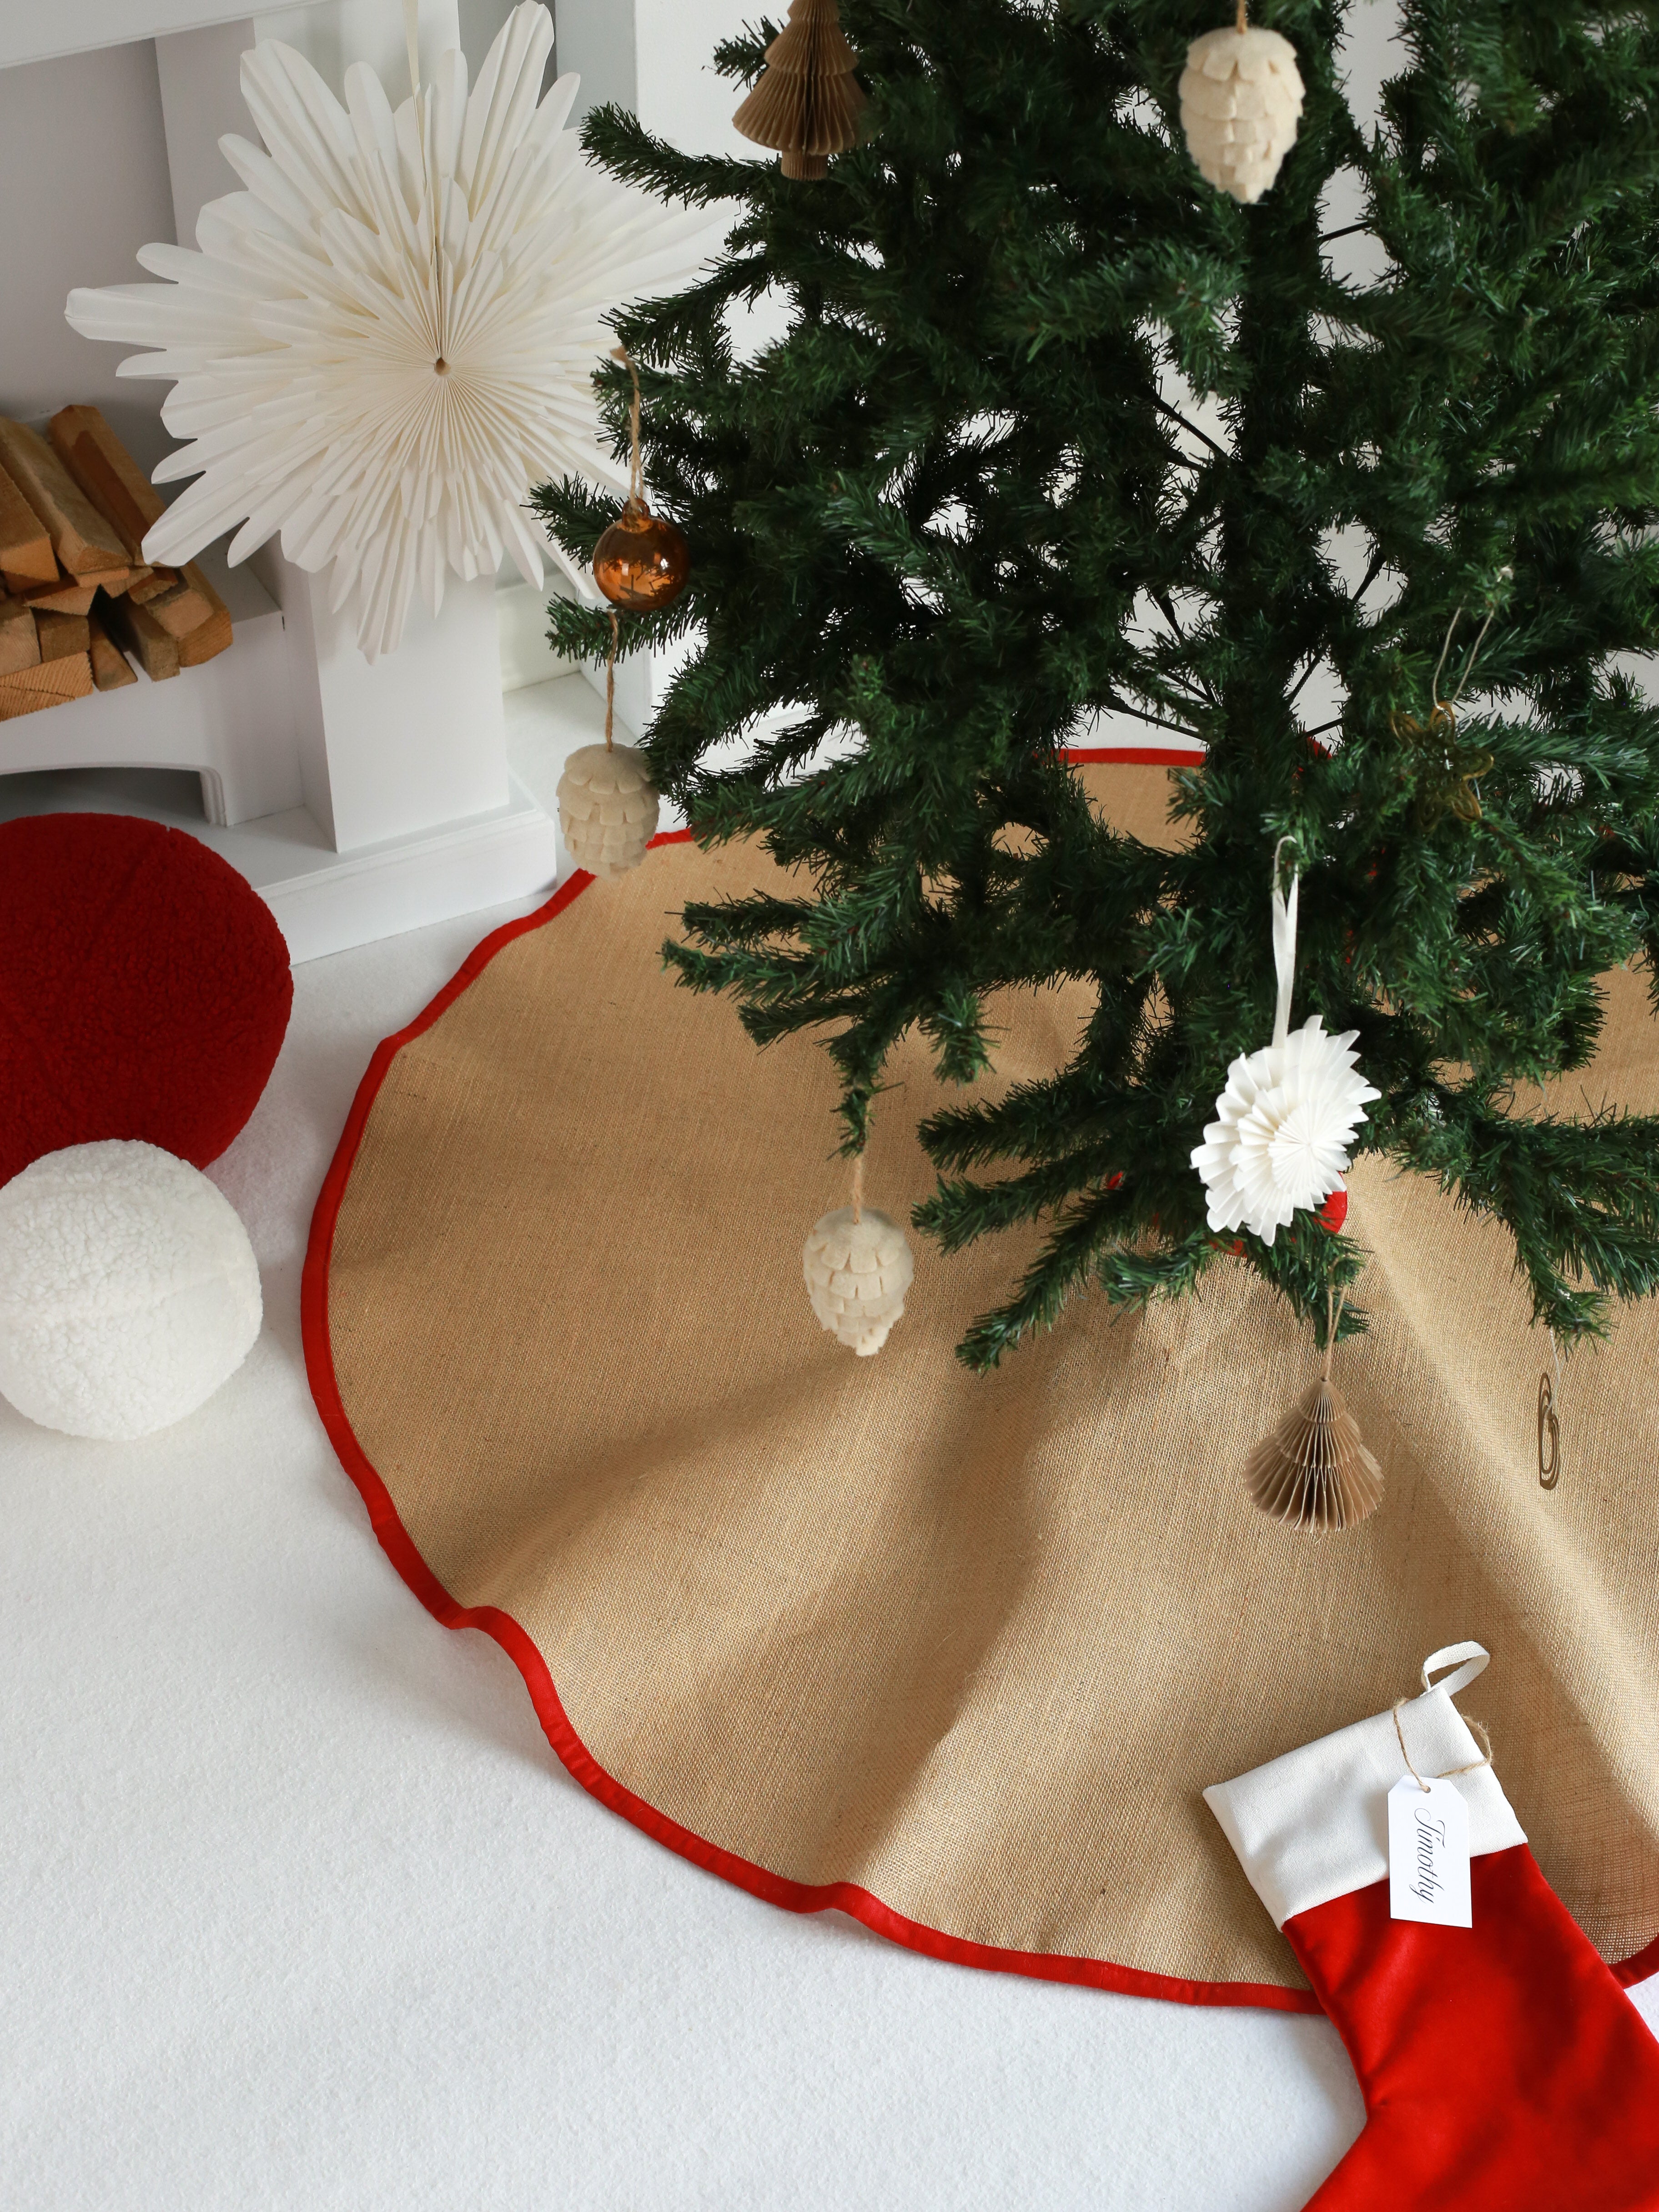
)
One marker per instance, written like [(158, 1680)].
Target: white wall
[(680, 95), (334, 34), (480, 20), (653, 56), (83, 181)]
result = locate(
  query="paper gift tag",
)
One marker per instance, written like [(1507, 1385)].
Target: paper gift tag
[(1429, 1854)]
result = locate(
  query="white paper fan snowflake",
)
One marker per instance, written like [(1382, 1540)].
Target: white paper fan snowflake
[(389, 336), (1287, 1119), (1288, 1113)]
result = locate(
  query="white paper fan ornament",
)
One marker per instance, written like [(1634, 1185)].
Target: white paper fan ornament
[(1289, 1112), (388, 338)]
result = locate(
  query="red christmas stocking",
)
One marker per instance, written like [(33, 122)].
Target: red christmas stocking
[(1504, 2069)]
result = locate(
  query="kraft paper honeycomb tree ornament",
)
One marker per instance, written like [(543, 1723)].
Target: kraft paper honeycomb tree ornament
[(858, 1266), (1240, 96), (807, 103), (608, 805), (386, 340), (1314, 1471)]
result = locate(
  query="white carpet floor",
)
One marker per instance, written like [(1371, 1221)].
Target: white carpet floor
[(300, 1912)]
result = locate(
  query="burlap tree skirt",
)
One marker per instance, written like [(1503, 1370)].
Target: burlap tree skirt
[(955, 1653)]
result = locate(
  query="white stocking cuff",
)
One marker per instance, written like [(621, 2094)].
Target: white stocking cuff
[(1314, 1825)]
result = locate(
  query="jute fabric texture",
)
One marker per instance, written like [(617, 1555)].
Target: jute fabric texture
[(973, 1644)]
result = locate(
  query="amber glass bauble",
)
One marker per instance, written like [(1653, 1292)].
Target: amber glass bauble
[(641, 562)]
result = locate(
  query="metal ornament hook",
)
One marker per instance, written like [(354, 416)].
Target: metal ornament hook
[(1475, 654), (1549, 1435)]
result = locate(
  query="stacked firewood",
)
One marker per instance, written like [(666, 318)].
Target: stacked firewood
[(77, 595)]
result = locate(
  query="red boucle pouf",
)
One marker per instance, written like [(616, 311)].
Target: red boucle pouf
[(144, 989)]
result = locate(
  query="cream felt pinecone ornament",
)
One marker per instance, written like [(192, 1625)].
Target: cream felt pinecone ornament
[(1240, 94), (858, 1267), (607, 808)]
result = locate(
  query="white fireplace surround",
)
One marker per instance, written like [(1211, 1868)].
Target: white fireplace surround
[(359, 800)]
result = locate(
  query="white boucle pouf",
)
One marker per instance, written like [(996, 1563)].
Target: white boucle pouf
[(129, 1291)]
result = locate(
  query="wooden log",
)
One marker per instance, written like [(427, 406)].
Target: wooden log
[(61, 636), (186, 604), (110, 666), (26, 554), (214, 635), (179, 611), (66, 597), (151, 586), (20, 646), (85, 543), (49, 686), (102, 465), (136, 631), (107, 472)]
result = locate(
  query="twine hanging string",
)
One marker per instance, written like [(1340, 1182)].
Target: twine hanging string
[(610, 687), (635, 503), (1244, 23), (1473, 1765), (1461, 771), (1446, 705), (1450, 777), (635, 461), (858, 1186), (1334, 1306)]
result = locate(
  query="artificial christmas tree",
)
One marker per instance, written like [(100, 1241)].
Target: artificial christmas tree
[(968, 498)]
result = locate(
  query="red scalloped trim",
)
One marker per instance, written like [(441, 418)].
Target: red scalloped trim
[(1184, 755), (399, 1547)]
